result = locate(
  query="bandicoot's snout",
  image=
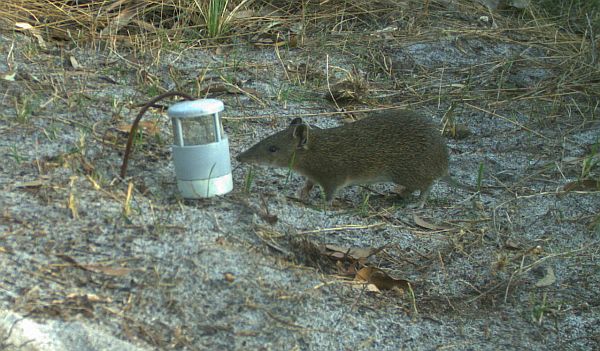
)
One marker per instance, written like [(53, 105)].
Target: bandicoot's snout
[(242, 157), (255, 155)]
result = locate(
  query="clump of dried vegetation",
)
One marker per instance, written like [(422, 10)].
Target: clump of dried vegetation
[(567, 30)]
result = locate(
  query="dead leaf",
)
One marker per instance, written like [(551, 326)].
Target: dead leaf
[(127, 202), (511, 245), (520, 4), (548, 279), (108, 79), (355, 253), (229, 277), (31, 184), (96, 298), (85, 297), (380, 279), (228, 89), (268, 39), (217, 88), (72, 200), (23, 26), (94, 267), (570, 159), (9, 76), (149, 127), (336, 255), (582, 185), (373, 288), (112, 271), (28, 28), (348, 259), (71, 261), (74, 63), (424, 224), (244, 14)]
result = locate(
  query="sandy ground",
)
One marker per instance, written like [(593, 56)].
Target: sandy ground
[(513, 267)]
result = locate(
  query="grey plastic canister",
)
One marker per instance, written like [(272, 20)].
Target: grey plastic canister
[(200, 149)]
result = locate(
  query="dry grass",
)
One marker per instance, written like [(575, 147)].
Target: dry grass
[(353, 30), (126, 21)]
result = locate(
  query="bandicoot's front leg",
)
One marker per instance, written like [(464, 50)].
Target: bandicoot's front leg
[(308, 185)]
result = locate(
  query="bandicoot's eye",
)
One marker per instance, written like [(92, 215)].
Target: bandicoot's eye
[(273, 148)]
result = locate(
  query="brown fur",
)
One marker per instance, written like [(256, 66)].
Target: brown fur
[(397, 146)]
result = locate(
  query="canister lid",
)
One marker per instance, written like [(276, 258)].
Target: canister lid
[(195, 108)]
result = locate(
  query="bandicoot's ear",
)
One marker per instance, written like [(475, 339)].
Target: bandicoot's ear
[(296, 122), (300, 132)]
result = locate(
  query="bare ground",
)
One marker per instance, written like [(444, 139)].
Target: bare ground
[(512, 267)]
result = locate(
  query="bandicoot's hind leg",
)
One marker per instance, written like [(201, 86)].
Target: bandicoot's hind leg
[(423, 196), (402, 191), (330, 189)]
